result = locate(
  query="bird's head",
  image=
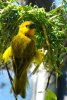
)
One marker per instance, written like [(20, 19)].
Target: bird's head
[(27, 28)]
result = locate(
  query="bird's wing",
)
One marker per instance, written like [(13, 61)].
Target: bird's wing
[(23, 51), (7, 54)]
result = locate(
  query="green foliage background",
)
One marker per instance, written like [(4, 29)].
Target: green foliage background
[(54, 22)]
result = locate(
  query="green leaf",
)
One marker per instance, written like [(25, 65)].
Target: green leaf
[(50, 95)]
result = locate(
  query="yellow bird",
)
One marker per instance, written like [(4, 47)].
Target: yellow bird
[(22, 51)]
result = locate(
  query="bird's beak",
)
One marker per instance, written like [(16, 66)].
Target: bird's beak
[(32, 29), (32, 26)]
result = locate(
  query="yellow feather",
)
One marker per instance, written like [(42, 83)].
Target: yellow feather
[(7, 54), (38, 59)]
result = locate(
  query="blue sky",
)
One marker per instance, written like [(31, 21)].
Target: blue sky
[(58, 2)]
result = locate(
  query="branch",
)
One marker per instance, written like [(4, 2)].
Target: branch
[(11, 80)]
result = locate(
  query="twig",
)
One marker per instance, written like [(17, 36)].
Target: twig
[(55, 67), (48, 44), (10, 80), (49, 79)]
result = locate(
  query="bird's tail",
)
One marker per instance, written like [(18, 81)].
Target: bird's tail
[(20, 84)]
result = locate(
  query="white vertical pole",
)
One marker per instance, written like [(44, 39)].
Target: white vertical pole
[(42, 82), (38, 84), (33, 84)]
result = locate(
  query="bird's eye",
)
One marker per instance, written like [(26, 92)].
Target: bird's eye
[(26, 25)]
